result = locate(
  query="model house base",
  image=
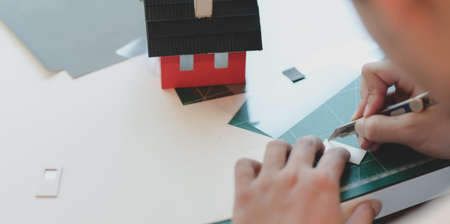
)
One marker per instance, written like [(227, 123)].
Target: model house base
[(203, 70)]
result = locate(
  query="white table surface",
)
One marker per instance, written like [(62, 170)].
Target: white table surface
[(130, 152)]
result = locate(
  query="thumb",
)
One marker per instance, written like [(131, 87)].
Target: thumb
[(382, 129), (365, 212)]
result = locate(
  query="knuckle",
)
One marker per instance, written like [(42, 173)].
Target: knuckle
[(322, 180), (244, 196), (264, 185), (289, 178), (309, 141), (366, 69), (241, 163), (372, 92), (370, 68), (275, 144)]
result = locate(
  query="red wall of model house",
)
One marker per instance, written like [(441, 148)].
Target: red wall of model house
[(204, 72)]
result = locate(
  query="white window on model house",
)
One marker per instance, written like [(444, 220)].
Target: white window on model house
[(221, 60), (187, 62), (203, 8)]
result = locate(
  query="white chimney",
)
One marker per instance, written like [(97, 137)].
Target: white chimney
[(203, 8)]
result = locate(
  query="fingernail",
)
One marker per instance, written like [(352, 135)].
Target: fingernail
[(361, 146), (376, 206), (354, 117), (360, 142), (365, 144)]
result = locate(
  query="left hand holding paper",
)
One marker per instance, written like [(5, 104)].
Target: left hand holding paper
[(287, 188)]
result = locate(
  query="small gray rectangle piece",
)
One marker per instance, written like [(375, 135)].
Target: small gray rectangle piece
[(221, 60), (186, 62), (294, 75)]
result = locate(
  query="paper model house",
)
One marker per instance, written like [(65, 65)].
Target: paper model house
[(202, 42)]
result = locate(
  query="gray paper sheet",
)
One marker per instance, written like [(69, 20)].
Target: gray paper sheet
[(79, 36)]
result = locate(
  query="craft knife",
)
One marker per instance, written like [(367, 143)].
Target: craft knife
[(416, 104)]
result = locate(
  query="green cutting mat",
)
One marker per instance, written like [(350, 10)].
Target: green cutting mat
[(200, 94), (390, 165)]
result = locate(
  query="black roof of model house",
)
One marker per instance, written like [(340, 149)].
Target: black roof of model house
[(173, 29)]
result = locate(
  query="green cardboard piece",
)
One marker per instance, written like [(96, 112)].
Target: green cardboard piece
[(193, 95)]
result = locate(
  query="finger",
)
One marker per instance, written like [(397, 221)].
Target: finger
[(376, 79), (275, 156), (363, 143), (246, 170), (360, 110), (333, 162), (375, 82), (366, 72), (304, 152), (365, 212), (382, 129), (391, 98)]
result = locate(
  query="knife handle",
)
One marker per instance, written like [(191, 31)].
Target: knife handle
[(416, 104)]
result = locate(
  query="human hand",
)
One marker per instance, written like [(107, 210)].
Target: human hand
[(286, 188), (426, 132)]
